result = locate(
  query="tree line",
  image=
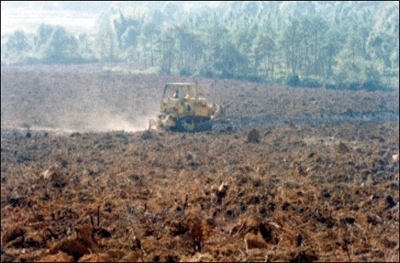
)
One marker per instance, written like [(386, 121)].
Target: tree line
[(338, 45)]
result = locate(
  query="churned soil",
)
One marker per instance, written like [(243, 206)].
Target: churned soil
[(285, 190)]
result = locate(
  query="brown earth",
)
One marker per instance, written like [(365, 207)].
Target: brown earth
[(280, 188)]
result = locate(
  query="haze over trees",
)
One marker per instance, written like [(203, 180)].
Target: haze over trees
[(351, 45)]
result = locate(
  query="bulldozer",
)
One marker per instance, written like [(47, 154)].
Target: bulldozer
[(185, 108)]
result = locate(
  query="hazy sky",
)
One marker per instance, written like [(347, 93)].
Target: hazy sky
[(77, 16)]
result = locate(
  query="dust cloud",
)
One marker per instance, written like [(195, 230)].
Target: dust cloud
[(115, 123), (101, 120), (71, 102)]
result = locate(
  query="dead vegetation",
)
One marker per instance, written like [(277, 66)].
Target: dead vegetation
[(187, 197)]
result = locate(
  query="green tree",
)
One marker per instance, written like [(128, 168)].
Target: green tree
[(85, 48), (148, 41), (330, 49), (167, 50), (16, 46), (317, 28), (263, 51), (230, 62), (383, 43), (290, 44), (214, 37), (189, 49), (106, 42), (61, 47), (43, 35)]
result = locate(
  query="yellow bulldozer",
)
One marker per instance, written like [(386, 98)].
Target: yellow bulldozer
[(185, 108)]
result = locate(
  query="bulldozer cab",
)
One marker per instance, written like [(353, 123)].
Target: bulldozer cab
[(182, 90)]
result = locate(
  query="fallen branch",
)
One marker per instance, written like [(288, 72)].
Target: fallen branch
[(98, 216), (185, 203)]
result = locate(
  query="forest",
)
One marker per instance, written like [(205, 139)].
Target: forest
[(336, 45)]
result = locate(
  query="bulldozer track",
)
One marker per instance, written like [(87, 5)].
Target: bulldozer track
[(200, 124)]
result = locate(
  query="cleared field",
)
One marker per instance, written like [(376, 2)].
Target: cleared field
[(294, 189)]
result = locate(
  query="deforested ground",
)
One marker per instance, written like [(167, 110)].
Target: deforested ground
[(296, 174)]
